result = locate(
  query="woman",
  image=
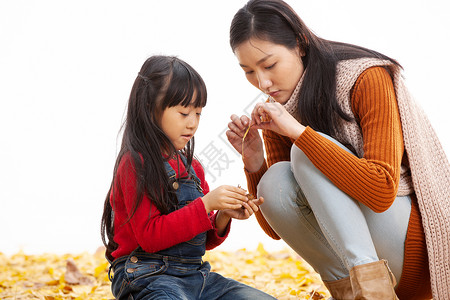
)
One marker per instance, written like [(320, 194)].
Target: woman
[(354, 178)]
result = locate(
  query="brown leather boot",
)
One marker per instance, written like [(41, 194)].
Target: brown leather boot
[(340, 289), (373, 281)]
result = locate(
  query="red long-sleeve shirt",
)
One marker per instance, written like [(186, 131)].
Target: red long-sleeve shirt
[(149, 228)]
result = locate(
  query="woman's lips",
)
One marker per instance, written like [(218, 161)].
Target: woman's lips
[(274, 94)]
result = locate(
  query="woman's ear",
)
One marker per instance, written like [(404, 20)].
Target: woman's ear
[(302, 43), (299, 50)]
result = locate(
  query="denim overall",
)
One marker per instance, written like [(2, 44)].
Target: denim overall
[(177, 272)]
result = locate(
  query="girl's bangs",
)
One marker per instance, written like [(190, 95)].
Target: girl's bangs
[(185, 84)]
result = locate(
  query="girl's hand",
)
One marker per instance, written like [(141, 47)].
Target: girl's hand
[(273, 116), (254, 154), (224, 197), (245, 211)]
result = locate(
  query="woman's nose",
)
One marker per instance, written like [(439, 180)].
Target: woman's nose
[(264, 82)]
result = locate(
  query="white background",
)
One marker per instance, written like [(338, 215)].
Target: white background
[(66, 70)]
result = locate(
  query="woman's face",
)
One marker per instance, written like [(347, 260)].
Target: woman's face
[(272, 68)]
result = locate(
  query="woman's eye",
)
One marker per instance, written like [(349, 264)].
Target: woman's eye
[(184, 115), (248, 72), (271, 66)]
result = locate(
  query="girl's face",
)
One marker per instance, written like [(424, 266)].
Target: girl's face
[(180, 123), (272, 68)]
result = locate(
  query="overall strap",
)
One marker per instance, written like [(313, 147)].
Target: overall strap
[(173, 175), (171, 172)]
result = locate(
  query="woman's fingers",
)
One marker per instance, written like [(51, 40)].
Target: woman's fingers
[(240, 122), (256, 114), (237, 126)]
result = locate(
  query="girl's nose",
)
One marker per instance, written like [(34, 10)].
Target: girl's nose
[(193, 121)]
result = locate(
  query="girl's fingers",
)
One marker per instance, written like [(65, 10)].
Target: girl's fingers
[(258, 201), (238, 192), (252, 205), (248, 209), (237, 198), (235, 206)]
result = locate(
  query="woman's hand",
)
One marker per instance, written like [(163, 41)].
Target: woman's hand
[(273, 116), (224, 197), (253, 155)]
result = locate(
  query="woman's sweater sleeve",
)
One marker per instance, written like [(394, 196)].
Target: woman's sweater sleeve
[(372, 179), (278, 149)]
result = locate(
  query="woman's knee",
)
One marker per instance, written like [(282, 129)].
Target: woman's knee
[(277, 178), (279, 189), (274, 172)]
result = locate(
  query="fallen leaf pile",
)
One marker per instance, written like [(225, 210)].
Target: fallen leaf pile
[(282, 274)]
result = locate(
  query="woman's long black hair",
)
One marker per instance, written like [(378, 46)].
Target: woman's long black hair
[(162, 82), (275, 21)]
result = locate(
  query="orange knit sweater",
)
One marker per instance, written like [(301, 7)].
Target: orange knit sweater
[(373, 179)]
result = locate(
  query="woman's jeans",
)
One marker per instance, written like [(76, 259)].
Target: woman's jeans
[(325, 226)]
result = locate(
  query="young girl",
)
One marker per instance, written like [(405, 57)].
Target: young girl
[(354, 176), (158, 215)]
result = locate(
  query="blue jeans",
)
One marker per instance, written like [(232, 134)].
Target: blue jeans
[(144, 275), (325, 226)]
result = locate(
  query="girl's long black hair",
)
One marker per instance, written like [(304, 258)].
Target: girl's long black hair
[(275, 21), (162, 82)]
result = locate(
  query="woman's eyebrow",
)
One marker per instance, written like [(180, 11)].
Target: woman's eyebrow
[(259, 61)]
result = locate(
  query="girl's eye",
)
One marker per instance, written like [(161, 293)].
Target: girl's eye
[(248, 72), (184, 115)]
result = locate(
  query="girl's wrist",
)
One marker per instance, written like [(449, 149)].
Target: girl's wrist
[(206, 204), (222, 217), (222, 220)]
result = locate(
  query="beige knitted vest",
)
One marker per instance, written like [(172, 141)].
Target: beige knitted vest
[(428, 173), (430, 169)]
